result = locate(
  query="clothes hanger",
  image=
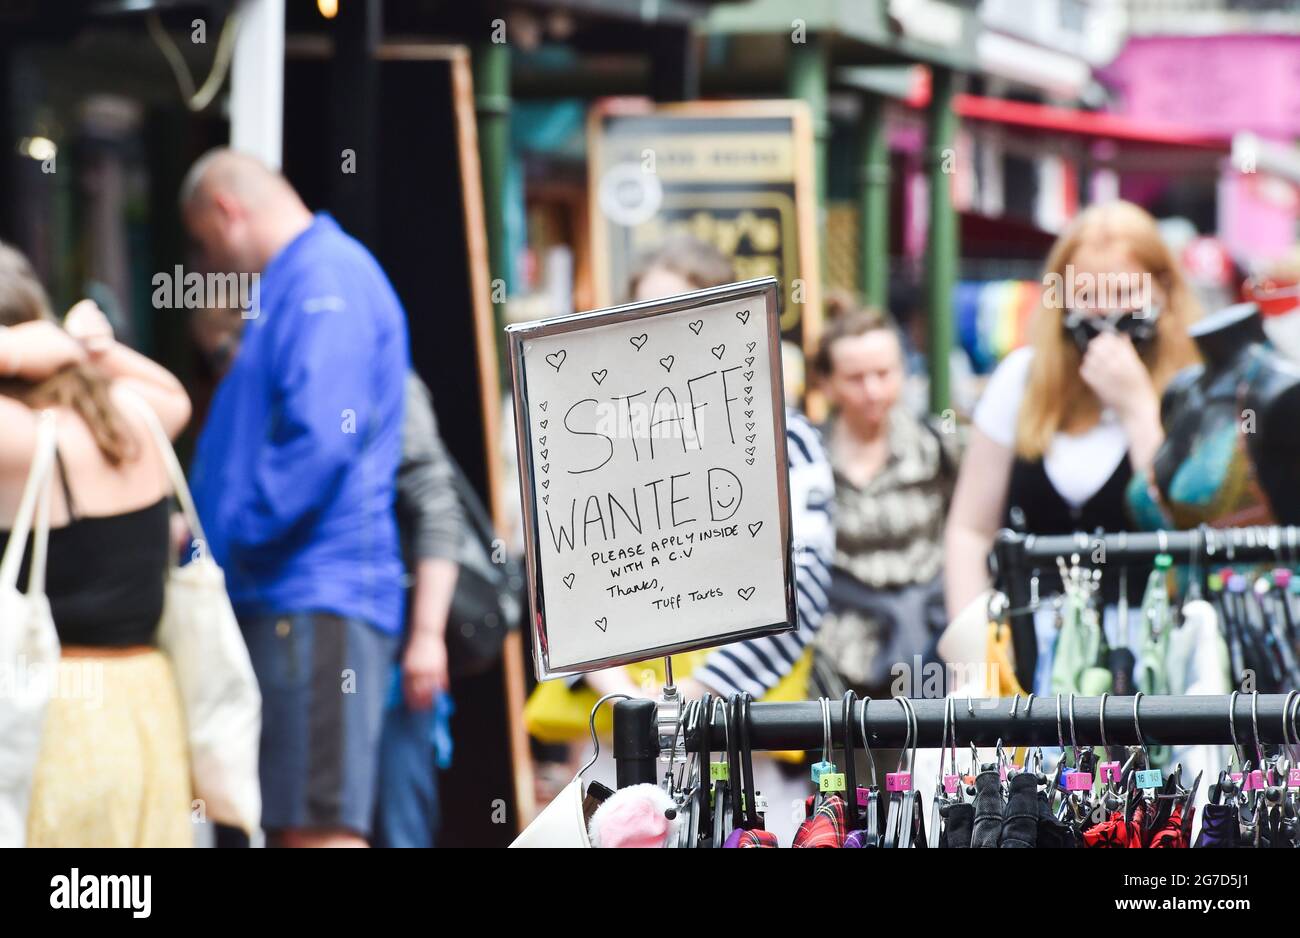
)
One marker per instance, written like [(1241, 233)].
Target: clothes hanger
[(851, 816), (753, 817), (704, 791), (735, 779), (937, 801), (911, 816), (823, 771), (723, 819), (897, 782), (871, 827)]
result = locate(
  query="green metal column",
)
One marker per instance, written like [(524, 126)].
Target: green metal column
[(808, 79), (941, 236), (873, 202), (492, 110)]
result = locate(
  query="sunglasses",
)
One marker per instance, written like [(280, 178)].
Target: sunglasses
[(1138, 324)]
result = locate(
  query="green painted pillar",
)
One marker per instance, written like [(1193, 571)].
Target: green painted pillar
[(808, 79), (941, 236), (492, 110), (873, 203)]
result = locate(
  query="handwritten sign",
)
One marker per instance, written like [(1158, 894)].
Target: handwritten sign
[(653, 476)]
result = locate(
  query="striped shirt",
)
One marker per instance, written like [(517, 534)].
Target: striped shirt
[(758, 664)]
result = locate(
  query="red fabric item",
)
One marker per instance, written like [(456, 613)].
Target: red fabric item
[(825, 828), (757, 839), (1116, 833)]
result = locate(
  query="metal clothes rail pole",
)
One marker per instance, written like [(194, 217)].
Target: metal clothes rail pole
[(1167, 720)]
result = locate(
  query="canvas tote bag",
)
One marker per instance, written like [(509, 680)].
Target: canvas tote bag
[(199, 633), (29, 645)]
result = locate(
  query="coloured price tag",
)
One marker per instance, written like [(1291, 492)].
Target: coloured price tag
[(1078, 781), (863, 797), (821, 768), (832, 781), (1255, 781), (952, 784), (719, 772), (1293, 778), (898, 781), (1150, 778), (1110, 772), (1235, 776)]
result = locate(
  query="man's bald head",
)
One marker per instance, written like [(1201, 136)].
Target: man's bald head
[(240, 210)]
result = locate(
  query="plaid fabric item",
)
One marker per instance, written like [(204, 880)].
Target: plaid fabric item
[(825, 828), (760, 839)]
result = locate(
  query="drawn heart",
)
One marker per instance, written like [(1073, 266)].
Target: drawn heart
[(749, 426), (743, 316), (556, 359), (667, 363), (749, 376), (542, 439), (568, 581), (747, 592), (748, 413), (546, 467), (639, 340), (544, 452), (749, 346), (748, 389), (543, 405), (749, 439), (697, 326), (546, 483), (544, 423), (602, 623), (750, 360), (750, 449), (749, 462), (599, 376), (718, 351), (749, 400), (753, 529), (546, 499)]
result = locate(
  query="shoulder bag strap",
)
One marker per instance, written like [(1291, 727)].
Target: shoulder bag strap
[(35, 504), (174, 471)]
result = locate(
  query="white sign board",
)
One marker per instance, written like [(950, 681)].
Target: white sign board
[(653, 473)]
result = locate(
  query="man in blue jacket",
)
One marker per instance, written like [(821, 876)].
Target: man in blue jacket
[(294, 481)]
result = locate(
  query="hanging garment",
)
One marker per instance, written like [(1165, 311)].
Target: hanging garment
[(1020, 819), (960, 819), (1220, 827), (764, 840), (1078, 646), (826, 826), (1119, 833), (1052, 834), (986, 829)]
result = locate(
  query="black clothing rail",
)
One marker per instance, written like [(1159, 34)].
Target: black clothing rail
[(1166, 720), (1016, 556)]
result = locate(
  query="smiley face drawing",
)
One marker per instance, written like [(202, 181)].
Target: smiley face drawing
[(725, 493)]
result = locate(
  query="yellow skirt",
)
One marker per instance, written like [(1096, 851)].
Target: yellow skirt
[(113, 769)]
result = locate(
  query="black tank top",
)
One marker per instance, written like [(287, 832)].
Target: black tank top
[(105, 575), (1034, 506)]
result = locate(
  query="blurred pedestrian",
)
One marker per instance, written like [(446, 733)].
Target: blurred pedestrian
[(894, 474), (113, 768), (431, 523), (294, 477), (1065, 423)]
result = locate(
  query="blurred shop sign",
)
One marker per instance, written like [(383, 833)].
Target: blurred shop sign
[(735, 174)]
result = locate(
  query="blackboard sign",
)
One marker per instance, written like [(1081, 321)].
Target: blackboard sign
[(652, 466)]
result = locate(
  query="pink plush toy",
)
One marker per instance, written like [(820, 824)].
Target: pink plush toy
[(636, 816)]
